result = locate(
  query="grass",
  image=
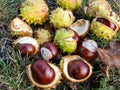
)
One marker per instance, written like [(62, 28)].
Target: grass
[(12, 65)]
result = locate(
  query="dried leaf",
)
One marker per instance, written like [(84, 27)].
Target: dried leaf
[(108, 58), (114, 47)]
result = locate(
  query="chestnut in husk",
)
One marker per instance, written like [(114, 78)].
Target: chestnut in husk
[(78, 69), (101, 8), (75, 69), (48, 51), (27, 46), (43, 74), (98, 7), (107, 23), (104, 27), (88, 50), (61, 18), (67, 40)]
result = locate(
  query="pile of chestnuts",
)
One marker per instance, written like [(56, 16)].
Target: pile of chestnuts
[(44, 72), (65, 54)]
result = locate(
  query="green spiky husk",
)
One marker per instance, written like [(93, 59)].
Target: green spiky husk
[(102, 31), (98, 7), (34, 11), (60, 39), (61, 18), (69, 4), (42, 36)]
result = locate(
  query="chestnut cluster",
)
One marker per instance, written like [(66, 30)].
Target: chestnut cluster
[(45, 74)]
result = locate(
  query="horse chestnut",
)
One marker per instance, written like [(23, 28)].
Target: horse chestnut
[(27, 46), (78, 69), (42, 72), (87, 50), (67, 40), (26, 49), (75, 68), (107, 23), (48, 51)]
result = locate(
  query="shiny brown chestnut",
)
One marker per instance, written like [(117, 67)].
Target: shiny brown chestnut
[(107, 23), (87, 50), (75, 68), (104, 27), (48, 51), (27, 46), (43, 74), (78, 69), (25, 49)]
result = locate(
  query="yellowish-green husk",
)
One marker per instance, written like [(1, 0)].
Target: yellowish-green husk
[(98, 7), (61, 18), (102, 31), (42, 36), (70, 4), (63, 38), (34, 11)]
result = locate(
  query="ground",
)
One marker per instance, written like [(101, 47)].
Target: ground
[(12, 65)]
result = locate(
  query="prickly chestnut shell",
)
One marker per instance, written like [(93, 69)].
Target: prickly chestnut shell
[(107, 23), (43, 74), (67, 40), (75, 69), (104, 27)]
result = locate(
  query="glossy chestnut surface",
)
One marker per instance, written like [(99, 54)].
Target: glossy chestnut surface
[(107, 23), (76, 37), (49, 51), (78, 69), (86, 54), (26, 49), (42, 72)]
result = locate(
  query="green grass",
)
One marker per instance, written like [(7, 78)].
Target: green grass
[(12, 65)]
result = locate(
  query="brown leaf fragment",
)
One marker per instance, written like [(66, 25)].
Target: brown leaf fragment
[(108, 58), (114, 47)]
